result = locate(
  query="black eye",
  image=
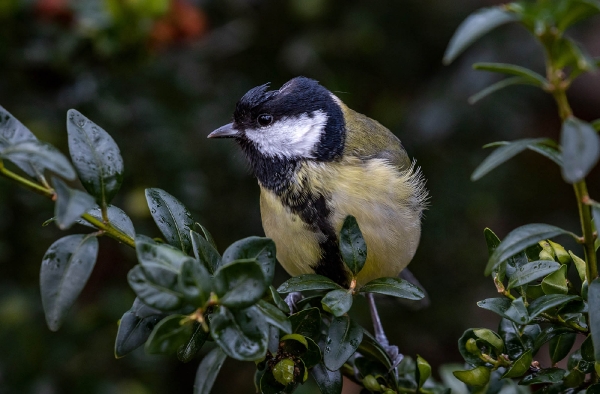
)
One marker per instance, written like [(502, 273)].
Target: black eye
[(264, 119)]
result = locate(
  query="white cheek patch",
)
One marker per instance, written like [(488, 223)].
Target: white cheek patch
[(290, 137)]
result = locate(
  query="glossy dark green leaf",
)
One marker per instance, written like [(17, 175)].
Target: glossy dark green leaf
[(514, 310), (13, 132), (587, 349), (503, 154), (279, 302), (547, 302), (187, 351), (239, 284), (580, 149), (312, 356), (560, 346), (205, 252), (594, 299), (337, 302), (519, 366), (478, 376), (242, 335), (135, 327), (493, 88), (329, 382), (548, 375), (172, 218), (208, 370), (274, 316), (512, 69), (168, 335), (156, 286), (307, 323), (207, 235), (260, 249), (70, 204), (532, 271), (150, 252), (519, 239), (547, 334), (343, 337), (353, 247), (490, 337), (96, 157), (423, 371), (66, 267), (394, 287), (474, 26), (491, 239), (556, 282), (117, 217), (195, 283), (40, 156), (308, 282), (371, 347), (514, 343)]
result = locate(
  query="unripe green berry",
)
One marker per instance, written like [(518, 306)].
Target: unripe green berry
[(283, 371), (371, 383)]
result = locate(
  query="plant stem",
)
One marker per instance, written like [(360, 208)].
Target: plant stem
[(47, 191)]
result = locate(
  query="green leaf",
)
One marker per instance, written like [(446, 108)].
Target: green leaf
[(579, 265), (195, 283), (519, 239), (172, 218), (491, 239), (490, 337), (308, 282), (423, 371), (307, 323), (476, 25), (208, 370), (205, 252), (13, 132), (116, 216), (514, 311), (66, 267), (574, 12), (279, 302), (239, 284), (587, 349), (567, 53), (329, 382), (532, 271), (519, 366), (371, 347), (260, 249), (155, 285), (394, 287), (274, 316), (312, 356), (547, 334), (546, 302), (135, 327), (201, 229), (560, 346), (580, 149), (478, 376), (337, 302), (548, 375), (70, 204), (493, 88), (531, 76), (242, 334), (187, 351), (343, 338), (503, 154), (556, 282), (353, 247), (40, 156), (150, 252), (168, 335), (594, 299), (96, 157)]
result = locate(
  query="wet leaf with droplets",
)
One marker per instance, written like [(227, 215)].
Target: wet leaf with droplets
[(394, 287), (343, 338), (150, 252), (195, 283), (169, 334), (11, 133), (260, 249), (307, 322), (239, 284), (337, 302), (156, 286), (66, 267), (242, 334), (135, 327), (308, 282), (353, 247), (40, 155), (189, 349), (329, 382), (116, 216), (274, 316), (208, 370), (532, 271), (172, 218), (70, 204), (205, 252), (96, 157), (547, 302)]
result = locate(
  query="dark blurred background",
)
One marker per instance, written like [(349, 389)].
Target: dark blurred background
[(159, 75)]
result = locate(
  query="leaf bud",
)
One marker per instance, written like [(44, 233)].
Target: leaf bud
[(471, 347)]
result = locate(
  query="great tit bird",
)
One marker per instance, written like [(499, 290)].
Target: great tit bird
[(316, 162)]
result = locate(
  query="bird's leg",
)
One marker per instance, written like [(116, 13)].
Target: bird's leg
[(292, 298), (380, 336)]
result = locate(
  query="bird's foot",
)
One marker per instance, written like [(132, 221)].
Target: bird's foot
[(292, 299)]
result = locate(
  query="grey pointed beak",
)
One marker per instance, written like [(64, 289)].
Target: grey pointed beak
[(227, 131)]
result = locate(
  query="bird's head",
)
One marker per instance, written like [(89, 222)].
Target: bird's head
[(302, 120)]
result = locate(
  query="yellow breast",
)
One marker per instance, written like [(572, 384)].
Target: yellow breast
[(387, 204)]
